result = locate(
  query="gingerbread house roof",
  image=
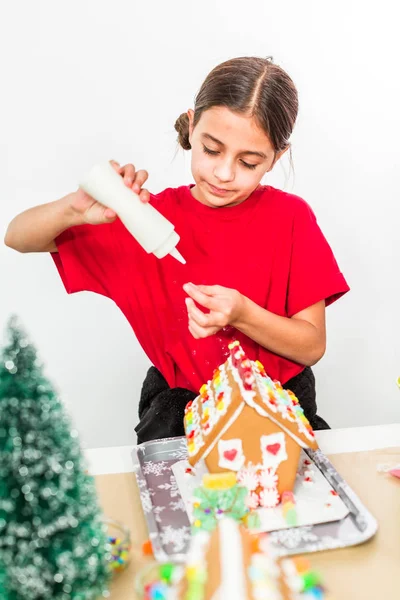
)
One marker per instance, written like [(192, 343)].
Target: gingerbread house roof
[(217, 407)]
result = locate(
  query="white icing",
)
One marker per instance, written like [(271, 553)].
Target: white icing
[(247, 395), (198, 546), (270, 459), (233, 575), (197, 441), (281, 407), (226, 388), (233, 447), (212, 416), (224, 429)]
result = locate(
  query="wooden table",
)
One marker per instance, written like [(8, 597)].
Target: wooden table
[(369, 571)]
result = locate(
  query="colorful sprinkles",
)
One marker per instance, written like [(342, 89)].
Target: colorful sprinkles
[(119, 553)]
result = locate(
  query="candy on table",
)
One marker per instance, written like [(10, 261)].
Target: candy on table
[(119, 553), (311, 582), (156, 591), (147, 548), (156, 580), (119, 542)]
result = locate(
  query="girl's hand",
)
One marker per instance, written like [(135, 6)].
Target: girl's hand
[(91, 211), (224, 304)]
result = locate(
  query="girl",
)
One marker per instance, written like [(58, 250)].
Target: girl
[(258, 266)]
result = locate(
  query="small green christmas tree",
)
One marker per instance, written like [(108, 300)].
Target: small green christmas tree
[(52, 539)]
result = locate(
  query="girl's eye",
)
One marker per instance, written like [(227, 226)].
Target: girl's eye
[(215, 152), (245, 164), (208, 151)]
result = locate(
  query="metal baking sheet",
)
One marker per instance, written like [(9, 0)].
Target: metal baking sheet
[(168, 522)]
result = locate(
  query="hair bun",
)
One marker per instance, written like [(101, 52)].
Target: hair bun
[(182, 127)]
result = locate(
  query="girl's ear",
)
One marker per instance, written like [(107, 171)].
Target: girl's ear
[(190, 114), (278, 156)]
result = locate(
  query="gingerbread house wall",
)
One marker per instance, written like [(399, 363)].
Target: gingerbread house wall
[(250, 427)]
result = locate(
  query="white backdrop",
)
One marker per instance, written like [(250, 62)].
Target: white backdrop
[(91, 80)]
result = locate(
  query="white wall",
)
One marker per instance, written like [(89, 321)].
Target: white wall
[(93, 79)]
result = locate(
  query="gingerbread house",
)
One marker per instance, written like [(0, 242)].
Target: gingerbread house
[(243, 421), (231, 564), (228, 563)]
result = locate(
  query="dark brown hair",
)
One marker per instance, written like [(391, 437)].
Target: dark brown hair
[(251, 86)]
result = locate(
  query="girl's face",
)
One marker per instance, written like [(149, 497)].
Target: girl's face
[(230, 155)]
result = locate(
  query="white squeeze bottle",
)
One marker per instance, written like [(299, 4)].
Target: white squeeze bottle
[(149, 227)]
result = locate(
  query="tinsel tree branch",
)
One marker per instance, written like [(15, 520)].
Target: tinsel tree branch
[(52, 539)]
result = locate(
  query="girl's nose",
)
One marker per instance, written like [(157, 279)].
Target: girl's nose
[(224, 171)]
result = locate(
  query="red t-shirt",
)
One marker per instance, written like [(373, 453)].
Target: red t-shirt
[(270, 248)]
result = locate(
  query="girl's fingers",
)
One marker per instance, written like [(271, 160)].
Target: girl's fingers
[(128, 174), (200, 297), (201, 332), (196, 314), (141, 177), (196, 331), (145, 196), (132, 178), (194, 334), (109, 214), (210, 290), (116, 166)]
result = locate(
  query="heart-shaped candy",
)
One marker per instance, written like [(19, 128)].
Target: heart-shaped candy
[(230, 454), (273, 448)]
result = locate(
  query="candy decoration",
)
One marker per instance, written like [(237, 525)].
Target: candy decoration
[(219, 481), (289, 508), (266, 577), (253, 500), (310, 580), (119, 553), (219, 496), (268, 478), (208, 422), (230, 454), (248, 477), (147, 548), (166, 572), (269, 498), (273, 449)]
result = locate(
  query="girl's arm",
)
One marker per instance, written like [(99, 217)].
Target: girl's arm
[(301, 338), (35, 229)]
